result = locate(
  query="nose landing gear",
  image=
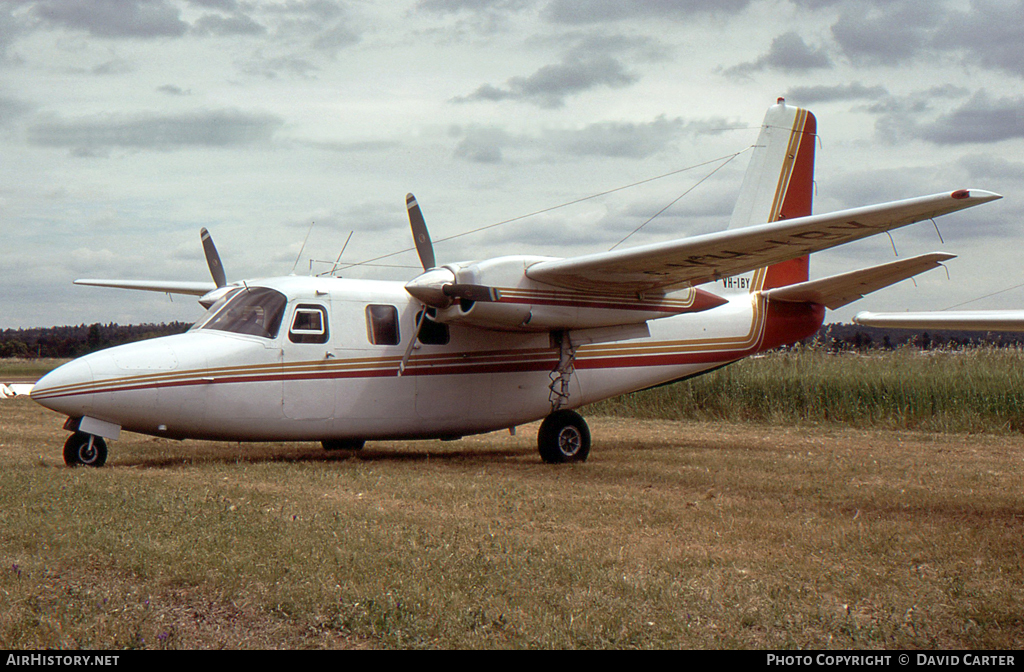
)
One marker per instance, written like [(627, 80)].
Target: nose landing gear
[(85, 449)]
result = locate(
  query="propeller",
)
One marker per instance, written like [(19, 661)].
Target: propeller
[(420, 235), (213, 259), (437, 287)]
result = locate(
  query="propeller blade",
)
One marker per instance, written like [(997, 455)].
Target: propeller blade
[(213, 259), (424, 247), (481, 293)]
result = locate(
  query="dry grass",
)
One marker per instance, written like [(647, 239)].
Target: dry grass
[(674, 534)]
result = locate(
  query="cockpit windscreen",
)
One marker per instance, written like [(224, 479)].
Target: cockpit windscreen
[(256, 311)]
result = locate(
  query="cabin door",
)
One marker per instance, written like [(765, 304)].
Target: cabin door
[(307, 361)]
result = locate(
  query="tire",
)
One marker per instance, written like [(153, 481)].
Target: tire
[(342, 444), (78, 450), (564, 437)]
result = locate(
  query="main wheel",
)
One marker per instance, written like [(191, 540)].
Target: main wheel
[(564, 437), (86, 449), (342, 444)]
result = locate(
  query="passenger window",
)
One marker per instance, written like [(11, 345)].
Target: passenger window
[(309, 325), (432, 333), (382, 325)]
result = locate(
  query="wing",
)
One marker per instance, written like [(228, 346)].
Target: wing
[(170, 287), (967, 320), (14, 389), (838, 290), (694, 261)]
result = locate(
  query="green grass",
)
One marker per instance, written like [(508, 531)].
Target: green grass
[(673, 535), (24, 368), (971, 390)]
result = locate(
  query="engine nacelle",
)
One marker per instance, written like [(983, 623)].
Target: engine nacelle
[(512, 301)]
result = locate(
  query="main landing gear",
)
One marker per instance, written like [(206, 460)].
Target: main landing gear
[(85, 449), (564, 437)]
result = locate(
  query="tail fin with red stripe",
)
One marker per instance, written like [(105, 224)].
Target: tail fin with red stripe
[(779, 184)]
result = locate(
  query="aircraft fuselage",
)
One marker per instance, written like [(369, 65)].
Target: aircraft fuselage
[(337, 369)]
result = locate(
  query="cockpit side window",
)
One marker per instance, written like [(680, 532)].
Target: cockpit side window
[(256, 311), (382, 325), (213, 310), (309, 324)]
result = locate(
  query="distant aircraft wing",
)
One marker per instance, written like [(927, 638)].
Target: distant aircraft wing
[(14, 389), (966, 320), (700, 259), (838, 290), (170, 287)]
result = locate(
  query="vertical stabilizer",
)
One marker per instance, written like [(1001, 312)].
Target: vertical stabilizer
[(779, 184)]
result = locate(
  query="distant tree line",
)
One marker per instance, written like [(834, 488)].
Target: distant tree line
[(65, 342), (841, 337)]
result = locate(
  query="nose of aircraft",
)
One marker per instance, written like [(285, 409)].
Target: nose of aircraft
[(66, 389)]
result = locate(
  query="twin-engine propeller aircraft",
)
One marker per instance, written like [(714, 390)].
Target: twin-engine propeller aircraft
[(476, 346)]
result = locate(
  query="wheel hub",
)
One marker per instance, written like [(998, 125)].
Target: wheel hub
[(569, 441)]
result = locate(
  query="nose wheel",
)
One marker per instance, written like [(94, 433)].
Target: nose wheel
[(85, 449), (564, 437)]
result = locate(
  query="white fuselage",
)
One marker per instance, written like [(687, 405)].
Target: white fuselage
[(214, 384)]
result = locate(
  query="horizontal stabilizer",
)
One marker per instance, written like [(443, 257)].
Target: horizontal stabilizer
[(700, 259), (966, 320), (838, 290), (169, 287)]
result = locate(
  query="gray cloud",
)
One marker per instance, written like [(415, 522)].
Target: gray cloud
[(481, 144), (214, 129), (598, 11), (549, 86), (986, 166), (889, 34), (808, 95), (979, 120), (115, 66), (11, 109), (236, 24), (620, 140), (899, 117), (172, 90), (788, 53), (990, 33), (271, 68), (603, 139), (225, 5), (453, 6), (114, 18), (9, 31)]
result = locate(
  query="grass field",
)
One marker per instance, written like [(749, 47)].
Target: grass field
[(970, 390), (20, 369), (676, 534)]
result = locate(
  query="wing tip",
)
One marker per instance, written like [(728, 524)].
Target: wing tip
[(976, 195)]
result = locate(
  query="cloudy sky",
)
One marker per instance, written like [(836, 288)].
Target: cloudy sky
[(127, 125)]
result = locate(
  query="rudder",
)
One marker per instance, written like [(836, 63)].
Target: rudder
[(779, 184)]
